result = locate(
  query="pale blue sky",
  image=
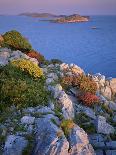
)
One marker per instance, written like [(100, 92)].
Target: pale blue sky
[(88, 7)]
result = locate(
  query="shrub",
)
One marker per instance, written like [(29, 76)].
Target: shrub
[(66, 126), (85, 84), (88, 99), (56, 61), (37, 55), (67, 80), (16, 41), (29, 67), (20, 89)]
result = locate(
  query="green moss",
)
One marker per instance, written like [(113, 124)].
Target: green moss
[(16, 41), (58, 113), (54, 121)]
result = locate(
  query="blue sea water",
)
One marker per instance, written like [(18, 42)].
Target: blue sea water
[(92, 49)]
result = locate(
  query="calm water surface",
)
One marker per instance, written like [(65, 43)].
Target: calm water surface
[(92, 49)]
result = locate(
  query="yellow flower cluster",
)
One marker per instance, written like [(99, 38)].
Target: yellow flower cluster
[(29, 67)]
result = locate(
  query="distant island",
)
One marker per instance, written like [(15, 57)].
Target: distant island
[(39, 15), (58, 18), (72, 19)]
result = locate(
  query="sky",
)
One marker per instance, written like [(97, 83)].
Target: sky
[(84, 7)]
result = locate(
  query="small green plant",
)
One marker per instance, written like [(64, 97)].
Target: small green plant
[(67, 126), (58, 113), (14, 40)]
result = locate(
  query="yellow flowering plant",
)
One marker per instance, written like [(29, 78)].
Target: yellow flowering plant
[(29, 67)]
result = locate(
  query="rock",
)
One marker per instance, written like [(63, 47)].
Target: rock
[(111, 152), (114, 119), (111, 145), (112, 106), (56, 90), (99, 152), (106, 92), (67, 105), (113, 85), (29, 110), (47, 140), (14, 145), (4, 55), (45, 110), (51, 105), (89, 112), (103, 127), (49, 81), (64, 66), (27, 120), (79, 142), (3, 130), (53, 76), (76, 70)]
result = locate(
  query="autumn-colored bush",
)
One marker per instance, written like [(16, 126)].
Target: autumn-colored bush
[(88, 99), (28, 67), (85, 84), (67, 80), (37, 55), (14, 40)]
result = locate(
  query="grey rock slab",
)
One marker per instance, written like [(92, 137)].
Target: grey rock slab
[(27, 120), (111, 145), (79, 142), (47, 140), (89, 112), (111, 152), (14, 145), (102, 126), (112, 106)]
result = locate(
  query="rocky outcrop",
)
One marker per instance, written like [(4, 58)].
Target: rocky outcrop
[(51, 140), (14, 145)]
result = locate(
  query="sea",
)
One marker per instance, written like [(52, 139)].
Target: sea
[(91, 45)]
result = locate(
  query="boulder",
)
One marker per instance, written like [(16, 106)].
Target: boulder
[(76, 69), (50, 140), (113, 85), (106, 92), (27, 120), (102, 126), (112, 105), (14, 145), (67, 105), (53, 76), (79, 143), (89, 112)]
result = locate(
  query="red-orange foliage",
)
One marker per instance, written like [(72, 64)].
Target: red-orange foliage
[(85, 84), (37, 55), (88, 99)]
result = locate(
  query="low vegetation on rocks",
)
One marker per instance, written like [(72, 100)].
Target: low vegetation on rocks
[(21, 89), (14, 40), (36, 55), (28, 67), (88, 99)]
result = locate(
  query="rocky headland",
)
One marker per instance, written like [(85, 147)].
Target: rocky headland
[(50, 107)]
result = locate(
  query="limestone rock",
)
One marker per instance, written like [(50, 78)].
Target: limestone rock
[(14, 145), (27, 120), (106, 92), (113, 85), (79, 142), (47, 140), (112, 105), (103, 127), (67, 105)]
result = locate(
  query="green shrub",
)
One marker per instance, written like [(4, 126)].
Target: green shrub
[(66, 126), (20, 89), (15, 41)]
